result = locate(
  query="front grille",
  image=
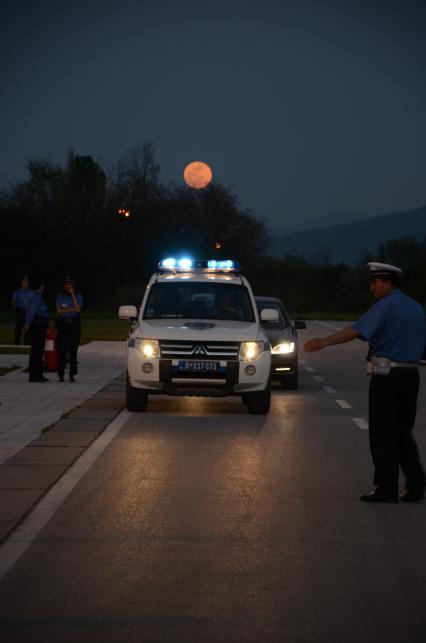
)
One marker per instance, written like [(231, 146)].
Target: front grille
[(181, 349)]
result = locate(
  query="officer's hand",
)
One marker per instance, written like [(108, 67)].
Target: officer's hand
[(315, 344)]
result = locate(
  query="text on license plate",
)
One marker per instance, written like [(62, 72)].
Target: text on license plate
[(200, 367)]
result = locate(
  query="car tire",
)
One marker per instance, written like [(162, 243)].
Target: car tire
[(136, 398), (259, 403)]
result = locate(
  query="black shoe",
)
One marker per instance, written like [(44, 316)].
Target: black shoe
[(412, 496), (26, 370), (377, 496), (38, 379), (61, 378), (72, 378)]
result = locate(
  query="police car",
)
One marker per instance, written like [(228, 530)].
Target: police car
[(198, 332)]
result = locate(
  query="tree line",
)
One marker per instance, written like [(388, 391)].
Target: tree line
[(107, 227)]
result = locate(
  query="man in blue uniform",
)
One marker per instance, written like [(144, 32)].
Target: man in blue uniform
[(395, 330), (19, 302), (36, 322), (68, 307)]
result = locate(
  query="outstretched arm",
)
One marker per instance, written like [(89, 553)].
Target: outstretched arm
[(347, 334)]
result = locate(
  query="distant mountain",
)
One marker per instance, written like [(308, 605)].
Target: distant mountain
[(327, 220), (348, 241)]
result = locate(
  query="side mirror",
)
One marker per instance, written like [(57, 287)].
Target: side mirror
[(269, 315), (299, 325), (127, 312)]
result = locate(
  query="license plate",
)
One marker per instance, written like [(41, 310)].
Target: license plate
[(200, 367)]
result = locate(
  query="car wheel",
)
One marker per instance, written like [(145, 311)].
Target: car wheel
[(136, 399), (258, 403)]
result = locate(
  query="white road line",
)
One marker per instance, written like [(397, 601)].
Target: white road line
[(309, 369), (319, 378), (20, 539), (328, 325), (329, 389), (361, 423), (343, 404)]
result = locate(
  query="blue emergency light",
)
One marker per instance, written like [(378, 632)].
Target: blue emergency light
[(227, 264), (204, 265)]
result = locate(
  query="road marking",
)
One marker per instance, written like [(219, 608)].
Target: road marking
[(319, 378), (302, 361), (343, 404), (309, 369), (20, 539), (361, 423), (329, 389), (328, 325)]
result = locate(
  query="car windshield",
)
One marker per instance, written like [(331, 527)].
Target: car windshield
[(283, 320), (199, 300)]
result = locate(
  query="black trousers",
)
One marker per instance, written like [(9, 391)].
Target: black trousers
[(69, 333), (392, 414), (37, 335), (19, 325)]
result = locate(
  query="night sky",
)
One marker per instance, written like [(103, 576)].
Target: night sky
[(304, 107)]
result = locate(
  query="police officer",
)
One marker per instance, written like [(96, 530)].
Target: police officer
[(395, 330), (36, 323), (68, 307), (19, 302)]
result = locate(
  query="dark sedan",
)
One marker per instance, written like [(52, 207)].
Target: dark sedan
[(284, 343)]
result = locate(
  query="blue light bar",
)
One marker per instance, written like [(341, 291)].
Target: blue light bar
[(185, 263), (170, 263), (226, 265), (200, 265)]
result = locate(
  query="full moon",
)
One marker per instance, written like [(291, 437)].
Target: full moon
[(197, 175)]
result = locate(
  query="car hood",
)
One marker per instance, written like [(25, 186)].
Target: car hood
[(277, 336), (198, 330)]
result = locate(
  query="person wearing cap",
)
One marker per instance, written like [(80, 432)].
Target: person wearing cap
[(395, 330), (36, 323), (68, 307), (19, 302)]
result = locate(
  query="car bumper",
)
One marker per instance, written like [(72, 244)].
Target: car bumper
[(282, 365), (164, 377)]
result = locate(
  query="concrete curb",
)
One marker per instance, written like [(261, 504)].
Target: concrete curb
[(29, 474)]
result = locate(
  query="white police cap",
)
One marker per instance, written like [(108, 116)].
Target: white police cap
[(382, 269)]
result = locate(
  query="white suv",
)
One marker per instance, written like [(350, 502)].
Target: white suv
[(198, 333)]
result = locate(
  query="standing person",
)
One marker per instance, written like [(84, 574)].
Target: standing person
[(68, 307), (395, 330), (36, 322), (19, 302)]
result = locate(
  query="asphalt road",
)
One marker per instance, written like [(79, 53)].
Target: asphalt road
[(200, 522)]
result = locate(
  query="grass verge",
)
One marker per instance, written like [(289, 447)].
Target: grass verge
[(93, 328)]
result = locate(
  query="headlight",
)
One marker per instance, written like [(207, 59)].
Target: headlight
[(149, 348), (249, 351), (285, 347)]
